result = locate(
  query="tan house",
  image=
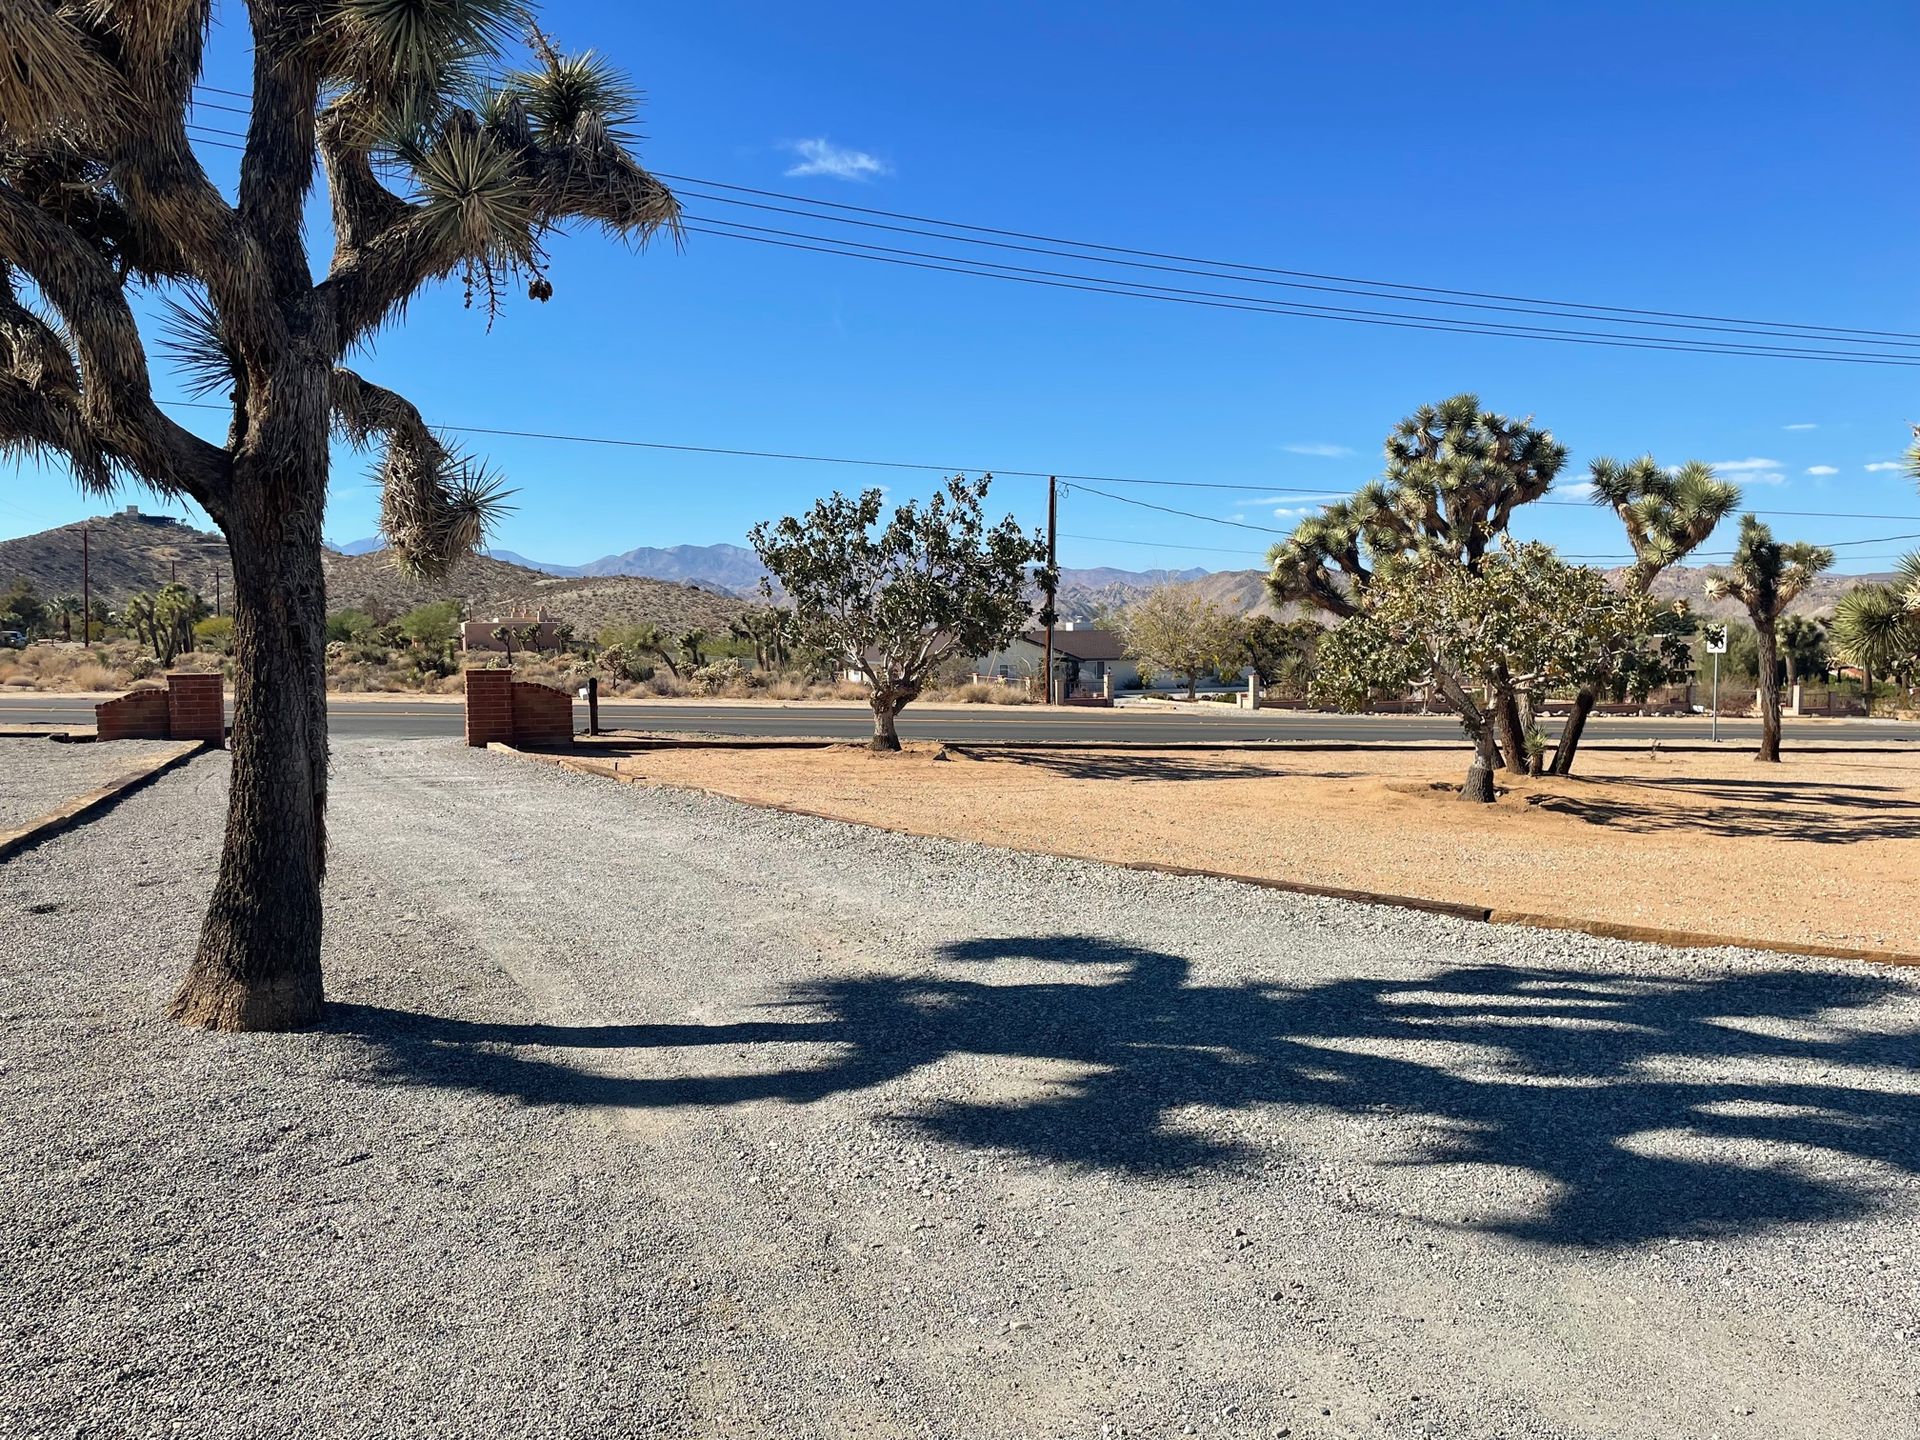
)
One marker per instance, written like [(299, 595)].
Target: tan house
[(478, 634)]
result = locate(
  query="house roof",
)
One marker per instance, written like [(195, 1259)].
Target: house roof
[(1081, 644)]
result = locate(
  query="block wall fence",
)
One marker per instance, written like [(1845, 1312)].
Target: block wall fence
[(191, 707), (501, 709)]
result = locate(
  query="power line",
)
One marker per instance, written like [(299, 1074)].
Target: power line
[(1097, 286), (1755, 328), (1277, 270), (622, 442), (1481, 300)]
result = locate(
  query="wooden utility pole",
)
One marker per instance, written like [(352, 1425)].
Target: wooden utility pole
[(216, 590), (1048, 615), (86, 587)]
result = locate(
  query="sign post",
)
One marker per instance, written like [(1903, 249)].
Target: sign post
[(1716, 647)]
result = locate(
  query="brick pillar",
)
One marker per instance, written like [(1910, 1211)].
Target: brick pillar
[(196, 708), (489, 707)]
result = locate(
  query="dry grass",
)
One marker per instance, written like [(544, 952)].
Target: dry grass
[(1822, 849)]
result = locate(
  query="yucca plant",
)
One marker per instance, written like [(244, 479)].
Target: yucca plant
[(1766, 576), (1668, 515), (100, 193)]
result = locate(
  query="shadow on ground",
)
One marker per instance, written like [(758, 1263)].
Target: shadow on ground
[(1826, 814), (1654, 1107)]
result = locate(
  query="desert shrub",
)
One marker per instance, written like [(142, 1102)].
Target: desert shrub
[(215, 632), (786, 687), (142, 667), (720, 677)]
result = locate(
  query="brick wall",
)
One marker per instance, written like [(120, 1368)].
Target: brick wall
[(196, 708), (137, 715), (489, 707), (542, 715)]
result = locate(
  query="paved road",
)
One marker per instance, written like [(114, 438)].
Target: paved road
[(357, 718), (646, 1116)]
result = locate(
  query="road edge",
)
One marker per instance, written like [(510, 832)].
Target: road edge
[(93, 803)]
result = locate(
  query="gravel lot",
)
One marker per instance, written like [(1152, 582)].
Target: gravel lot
[(644, 1113), (37, 775)]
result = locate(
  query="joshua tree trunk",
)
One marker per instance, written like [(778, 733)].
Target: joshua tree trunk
[(1513, 730), (886, 705), (1769, 687), (1576, 725), (258, 964), (1486, 758)]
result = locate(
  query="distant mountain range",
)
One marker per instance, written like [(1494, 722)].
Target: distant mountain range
[(678, 585)]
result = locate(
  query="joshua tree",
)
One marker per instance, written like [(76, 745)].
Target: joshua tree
[(64, 609), (1877, 627), (1803, 645), (1455, 475), (1766, 576), (101, 194), (934, 582), (1668, 515), (691, 644)]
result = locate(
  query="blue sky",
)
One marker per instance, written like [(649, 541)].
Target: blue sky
[(1755, 160)]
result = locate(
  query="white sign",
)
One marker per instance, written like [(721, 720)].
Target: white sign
[(1716, 639)]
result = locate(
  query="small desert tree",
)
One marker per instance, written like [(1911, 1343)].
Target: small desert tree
[(1766, 576), (1177, 630), (102, 195), (66, 609), (1667, 515), (892, 602), (1520, 618), (1281, 652), (1455, 474)]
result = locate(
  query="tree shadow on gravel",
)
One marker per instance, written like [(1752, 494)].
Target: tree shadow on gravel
[(1653, 1107)]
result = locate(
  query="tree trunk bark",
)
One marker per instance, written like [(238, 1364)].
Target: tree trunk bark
[(885, 707), (258, 963), (1486, 757), (1513, 733), (1769, 697), (1571, 732)]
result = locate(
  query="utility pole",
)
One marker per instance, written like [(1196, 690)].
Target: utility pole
[(86, 587), (216, 590), (1048, 615)]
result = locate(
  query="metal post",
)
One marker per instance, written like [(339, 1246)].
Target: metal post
[(1053, 497), (86, 587), (593, 704), (1715, 735)]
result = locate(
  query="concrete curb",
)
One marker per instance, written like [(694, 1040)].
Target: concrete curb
[(1606, 929), (693, 740), (74, 812)]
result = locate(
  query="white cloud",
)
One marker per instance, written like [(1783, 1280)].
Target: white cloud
[(1823, 470), (1879, 467), (1319, 448), (1298, 499), (1237, 519), (1753, 470), (1579, 490), (823, 157), (1803, 425)]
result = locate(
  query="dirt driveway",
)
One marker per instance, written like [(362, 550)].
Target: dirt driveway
[(644, 1113)]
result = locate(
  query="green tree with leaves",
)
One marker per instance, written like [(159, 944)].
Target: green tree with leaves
[(1668, 514), (892, 601), (1520, 617), (1803, 646), (66, 609), (1766, 576), (495, 145), (1177, 630), (1279, 651), (432, 627), (1455, 474)]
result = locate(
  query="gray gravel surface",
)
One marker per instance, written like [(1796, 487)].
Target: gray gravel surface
[(647, 1113), (38, 775)]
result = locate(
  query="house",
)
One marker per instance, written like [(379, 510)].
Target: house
[(478, 634), (1084, 659)]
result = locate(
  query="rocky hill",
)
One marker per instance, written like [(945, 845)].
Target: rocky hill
[(487, 587), (130, 552), (133, 552)]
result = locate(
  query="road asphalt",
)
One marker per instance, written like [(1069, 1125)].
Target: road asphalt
[(360, 717)]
